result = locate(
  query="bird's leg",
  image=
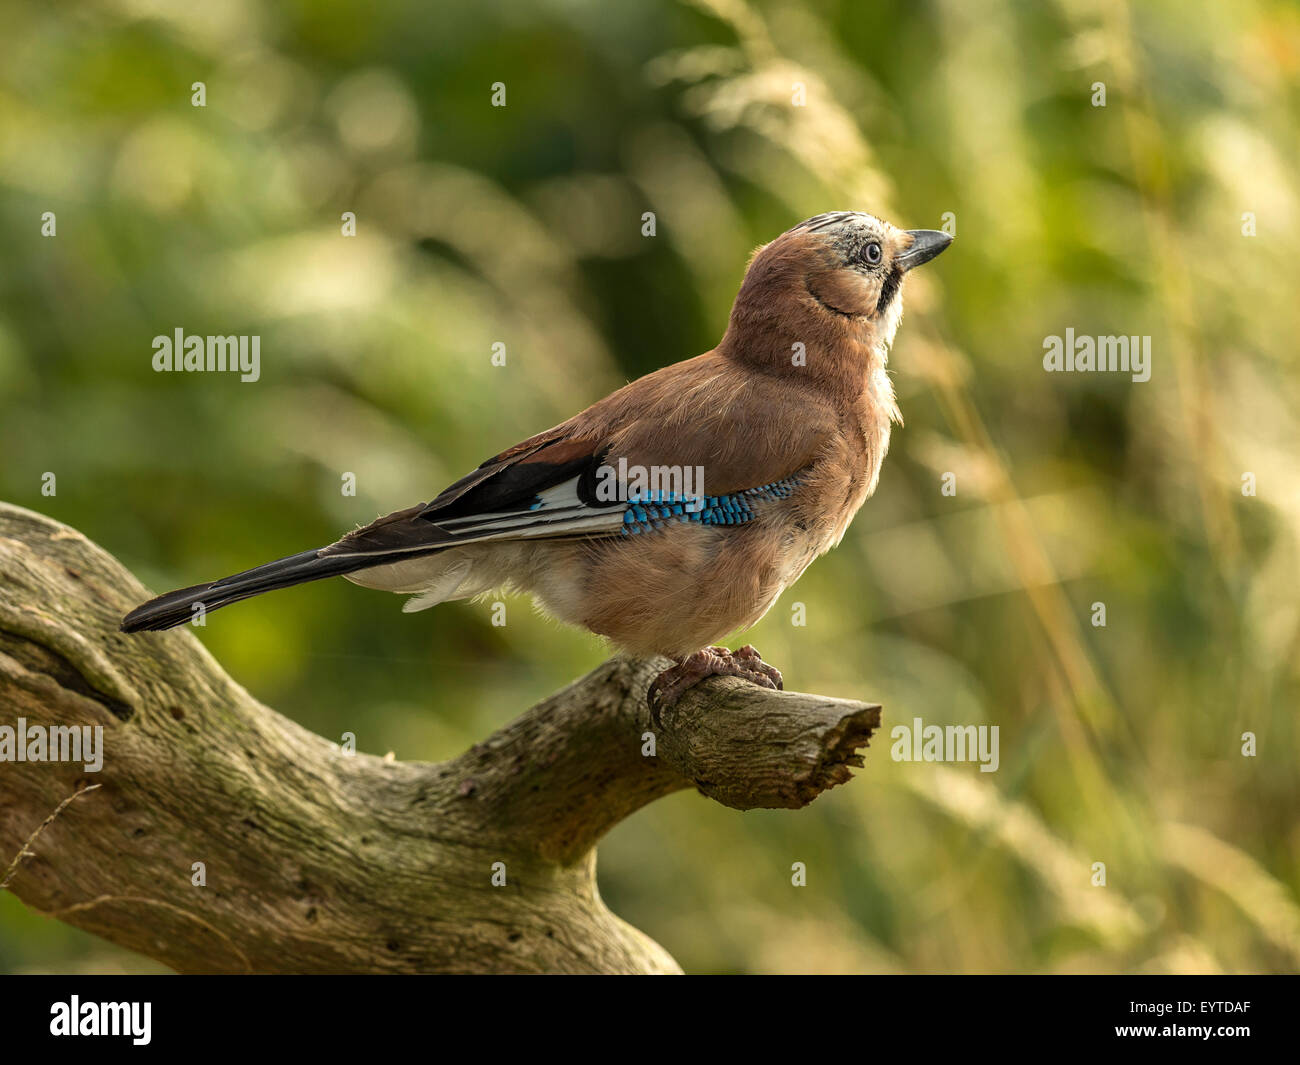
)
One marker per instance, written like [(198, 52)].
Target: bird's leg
[(746, 663)]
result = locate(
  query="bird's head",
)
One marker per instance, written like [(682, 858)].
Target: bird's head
[(836, 278)]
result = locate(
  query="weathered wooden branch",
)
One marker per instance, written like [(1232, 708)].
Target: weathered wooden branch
[(317, 861)]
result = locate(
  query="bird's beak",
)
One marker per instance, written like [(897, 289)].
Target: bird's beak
[(926, 244)]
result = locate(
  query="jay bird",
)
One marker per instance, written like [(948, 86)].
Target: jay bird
[(787, 420)]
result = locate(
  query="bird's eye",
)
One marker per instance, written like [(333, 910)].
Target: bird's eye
[(872, 253)]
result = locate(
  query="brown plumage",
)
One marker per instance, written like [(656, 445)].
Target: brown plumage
[(796, 394)]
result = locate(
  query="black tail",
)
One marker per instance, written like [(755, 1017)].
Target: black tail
[(176, 608)]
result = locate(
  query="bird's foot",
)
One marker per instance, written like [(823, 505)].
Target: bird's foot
[(745, 663)]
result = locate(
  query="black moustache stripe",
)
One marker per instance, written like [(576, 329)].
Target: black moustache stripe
[(888, 291)]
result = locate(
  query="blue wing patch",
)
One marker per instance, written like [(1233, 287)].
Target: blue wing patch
[(657, 509)]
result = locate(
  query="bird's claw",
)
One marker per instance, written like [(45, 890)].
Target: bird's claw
[(749, 657), (672, 683)]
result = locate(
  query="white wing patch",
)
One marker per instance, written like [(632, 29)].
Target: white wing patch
[(555, 512)]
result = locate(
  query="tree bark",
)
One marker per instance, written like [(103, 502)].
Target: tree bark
[(320, 861)]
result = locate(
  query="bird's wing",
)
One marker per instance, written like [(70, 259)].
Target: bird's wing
[(702, 415), (743, 428)]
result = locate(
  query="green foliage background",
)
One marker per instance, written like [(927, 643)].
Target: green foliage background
[(522, 224)]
